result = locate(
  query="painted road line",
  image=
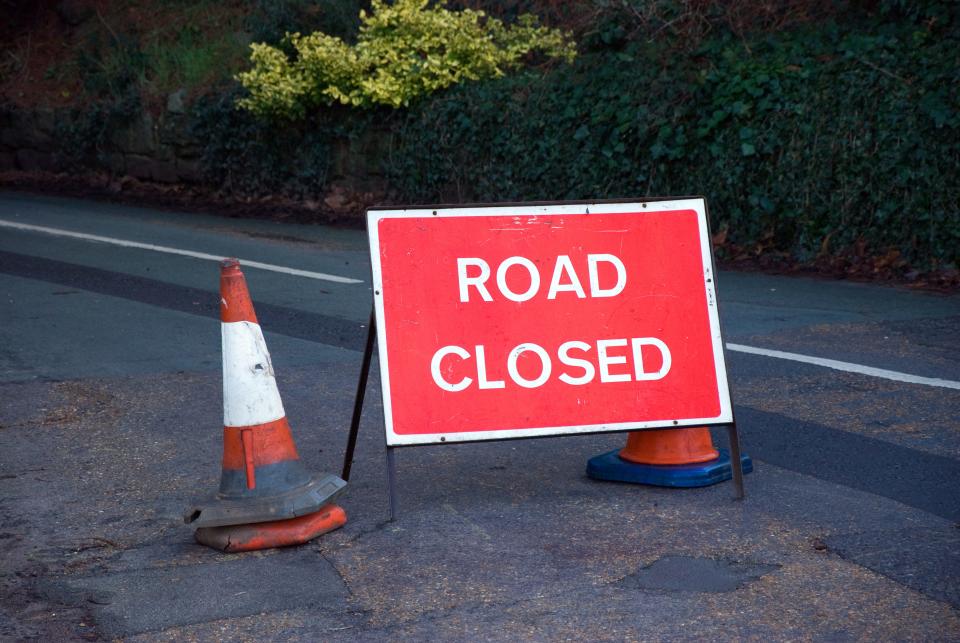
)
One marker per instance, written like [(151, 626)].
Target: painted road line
[(846, 366), (177, 251)]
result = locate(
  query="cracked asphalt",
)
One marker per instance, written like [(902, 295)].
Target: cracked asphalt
[(110, 426)]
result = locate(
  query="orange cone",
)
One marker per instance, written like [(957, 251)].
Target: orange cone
[(670, 446), (277, 533), (267, 497), (667, 458)]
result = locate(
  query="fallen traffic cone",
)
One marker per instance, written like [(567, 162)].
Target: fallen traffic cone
[(667, 458), (267, 497), (276, 533)]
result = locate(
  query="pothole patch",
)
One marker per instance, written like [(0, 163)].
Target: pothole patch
[(690, 574)]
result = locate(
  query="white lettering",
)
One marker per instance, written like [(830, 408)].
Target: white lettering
[(438, 376), (545, 365), (564, 265), (477, 281), (588, 370), (595, 289), (589, 367), (637, 344), (606, 360), (482, 380), (502, 278)]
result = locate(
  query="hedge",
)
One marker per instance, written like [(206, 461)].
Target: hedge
[(804, 142)]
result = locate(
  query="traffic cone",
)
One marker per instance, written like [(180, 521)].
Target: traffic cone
[(267, 497), (667, 458)]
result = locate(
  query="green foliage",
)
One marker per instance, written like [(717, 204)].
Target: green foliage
[(404, 51), (246, 156), (918, 10), (807, 140), (803, 142), (197, 53), (190, 59), (83, 137), (270, 20), (110, 65)]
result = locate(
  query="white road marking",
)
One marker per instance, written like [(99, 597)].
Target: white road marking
[(177, 251), (846, 366)]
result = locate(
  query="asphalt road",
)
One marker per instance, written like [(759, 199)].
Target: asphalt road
[(110, 418)]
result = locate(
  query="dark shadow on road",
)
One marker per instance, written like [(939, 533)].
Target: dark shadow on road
[(291, 322), (915, 478)]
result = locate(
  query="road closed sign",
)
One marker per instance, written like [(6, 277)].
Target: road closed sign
[(508, 321)]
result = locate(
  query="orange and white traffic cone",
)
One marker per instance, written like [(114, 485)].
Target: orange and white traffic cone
[(667, 458), (267, 497)]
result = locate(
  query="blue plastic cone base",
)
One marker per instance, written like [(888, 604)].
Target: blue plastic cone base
[(610, 466)]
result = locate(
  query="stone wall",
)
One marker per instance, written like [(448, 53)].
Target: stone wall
[(161, 149), (147, 147)]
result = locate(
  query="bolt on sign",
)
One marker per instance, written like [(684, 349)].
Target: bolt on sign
[(509, 321)]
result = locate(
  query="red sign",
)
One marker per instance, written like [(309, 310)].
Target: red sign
[(518, 321)]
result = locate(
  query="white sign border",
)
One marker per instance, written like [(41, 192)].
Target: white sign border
[(698, 204)]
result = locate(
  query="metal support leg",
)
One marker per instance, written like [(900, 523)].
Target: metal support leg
[(358, 399), (392, 482), (735, 462)]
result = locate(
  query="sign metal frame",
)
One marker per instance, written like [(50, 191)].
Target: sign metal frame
[(376, 331), (633, 207)]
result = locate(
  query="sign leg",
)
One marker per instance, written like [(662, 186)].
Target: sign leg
[(392, 482), (735, 462), (358, 398)]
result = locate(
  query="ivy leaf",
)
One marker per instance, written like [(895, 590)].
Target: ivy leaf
[(747, 149), (582, 132)]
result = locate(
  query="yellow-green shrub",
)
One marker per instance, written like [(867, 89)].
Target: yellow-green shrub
[(404, 50)]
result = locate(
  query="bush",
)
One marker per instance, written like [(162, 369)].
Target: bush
[(804, 141), (404, 51)]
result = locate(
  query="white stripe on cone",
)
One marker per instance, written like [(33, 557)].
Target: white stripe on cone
[(250, 394)]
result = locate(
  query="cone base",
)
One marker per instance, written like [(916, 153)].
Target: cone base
[(610, 466), (299, 501), (269, 535)]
